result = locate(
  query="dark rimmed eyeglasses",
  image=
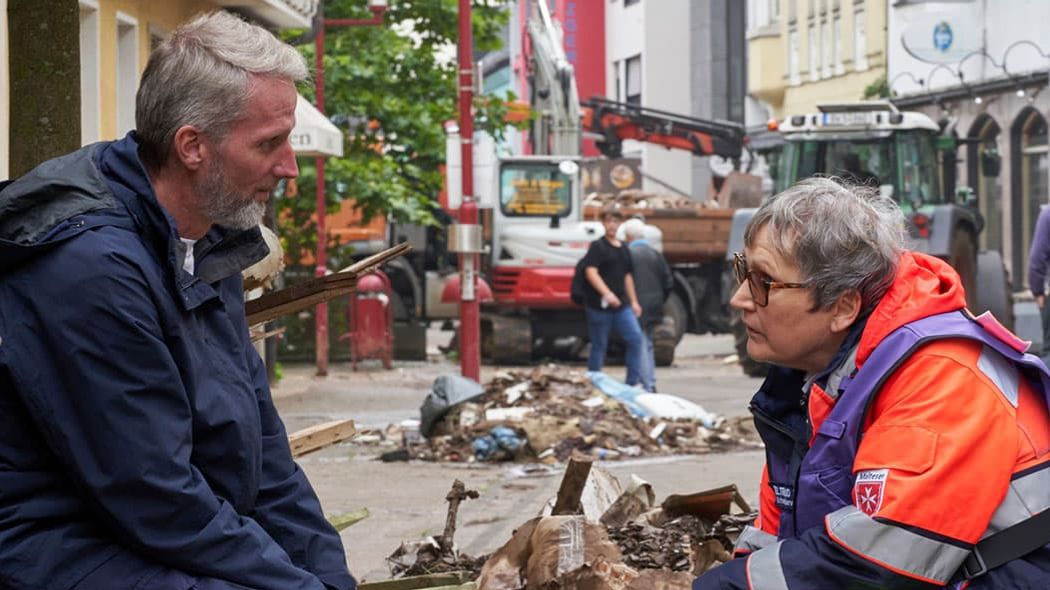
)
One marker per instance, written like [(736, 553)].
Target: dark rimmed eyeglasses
[(758, 283)]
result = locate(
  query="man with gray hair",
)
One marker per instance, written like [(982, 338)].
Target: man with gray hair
[(907, 441), (139, 444), (653, 283)]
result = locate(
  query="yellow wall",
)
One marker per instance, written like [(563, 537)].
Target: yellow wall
[(164, 16), (768, 59)]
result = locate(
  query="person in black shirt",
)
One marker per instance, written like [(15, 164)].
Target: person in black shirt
[(610, 301)]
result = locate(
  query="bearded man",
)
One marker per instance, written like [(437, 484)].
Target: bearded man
[(139, 444)]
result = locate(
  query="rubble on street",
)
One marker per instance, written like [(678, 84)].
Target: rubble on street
[(547, 413), (594, 534)]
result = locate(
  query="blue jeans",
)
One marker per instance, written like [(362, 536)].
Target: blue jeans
[(599, 323), (648, 368)]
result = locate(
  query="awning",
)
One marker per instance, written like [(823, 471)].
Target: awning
[(314, 134)]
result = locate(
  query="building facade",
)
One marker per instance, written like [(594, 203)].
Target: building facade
[(683, 56), (116, 37), (804, 52), (980, 69)]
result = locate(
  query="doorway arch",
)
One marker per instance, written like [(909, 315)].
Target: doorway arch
[(1029, 176)]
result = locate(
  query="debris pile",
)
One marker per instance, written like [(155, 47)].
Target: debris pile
[(633, 544), (437, 554), (639, 199), (548, 413)]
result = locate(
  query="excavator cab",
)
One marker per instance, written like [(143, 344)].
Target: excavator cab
[(538, 188)]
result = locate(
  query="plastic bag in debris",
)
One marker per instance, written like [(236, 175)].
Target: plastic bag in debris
[(620, 392), (644, 405), (557, 552), (448, 391), (498, 438), (672, 407)]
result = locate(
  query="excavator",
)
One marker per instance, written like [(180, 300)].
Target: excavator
[(538, 231)]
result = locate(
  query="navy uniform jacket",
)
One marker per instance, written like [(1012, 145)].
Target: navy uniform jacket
[(137, 431)]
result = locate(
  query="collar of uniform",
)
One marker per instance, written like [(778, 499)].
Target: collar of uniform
[(842, 365)]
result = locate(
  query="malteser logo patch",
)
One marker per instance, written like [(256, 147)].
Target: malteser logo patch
[(868, 489)]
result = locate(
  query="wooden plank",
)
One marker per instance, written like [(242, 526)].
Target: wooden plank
[(317, 290), (568, 499), (320, 436)]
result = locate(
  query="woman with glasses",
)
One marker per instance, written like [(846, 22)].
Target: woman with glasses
[(907, 441)]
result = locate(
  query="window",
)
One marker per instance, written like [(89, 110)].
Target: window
[(1033, 177), (836, 32), (989, 188), (90, 102), (792, 10), (814, 54), (762, 14), (630, 2), (534, 189), (618, 82), (825, 48), (918, 185), (793, 65), (633, 83), (127, 71), (860, 41)]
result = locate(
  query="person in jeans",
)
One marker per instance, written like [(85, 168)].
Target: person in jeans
[(653, 286), (611, 301), (1038, 262)]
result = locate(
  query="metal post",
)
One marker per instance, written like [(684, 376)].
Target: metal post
[(321, 311), (469, 316), (378, 8)]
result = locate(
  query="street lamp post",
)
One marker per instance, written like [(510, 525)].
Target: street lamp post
[(378, 7), (466, 235)]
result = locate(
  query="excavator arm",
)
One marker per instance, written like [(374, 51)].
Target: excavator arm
[(615, 121)]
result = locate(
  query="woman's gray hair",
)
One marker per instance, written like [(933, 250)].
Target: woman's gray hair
[(843, 237), (201, 76)]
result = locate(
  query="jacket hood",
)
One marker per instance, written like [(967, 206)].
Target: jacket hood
[(34, 208), (923, 286)]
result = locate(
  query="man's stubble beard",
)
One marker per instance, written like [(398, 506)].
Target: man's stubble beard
[(224, 205)]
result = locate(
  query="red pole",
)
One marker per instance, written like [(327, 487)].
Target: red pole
[(469, 320), (321, 311)]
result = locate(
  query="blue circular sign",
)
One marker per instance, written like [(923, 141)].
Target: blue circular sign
[(942, 36)]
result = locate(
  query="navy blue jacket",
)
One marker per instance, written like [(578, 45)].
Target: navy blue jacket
[(136, 423)]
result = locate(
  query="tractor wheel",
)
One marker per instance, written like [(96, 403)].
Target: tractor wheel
[(993, 288), (676, 311), (663, 344), (751, 367), (963, 258)]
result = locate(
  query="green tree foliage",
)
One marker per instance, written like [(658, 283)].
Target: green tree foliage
[(390, 88), (877, 89)]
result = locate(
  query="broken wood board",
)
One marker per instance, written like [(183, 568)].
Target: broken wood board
[(317, 290), (709, 504), (321, 435), (568, 499)]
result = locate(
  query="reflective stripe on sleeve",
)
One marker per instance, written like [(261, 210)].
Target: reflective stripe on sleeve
[(1027, 496), (764, 571), (1002, 372), (895, 548), (753, 539)]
